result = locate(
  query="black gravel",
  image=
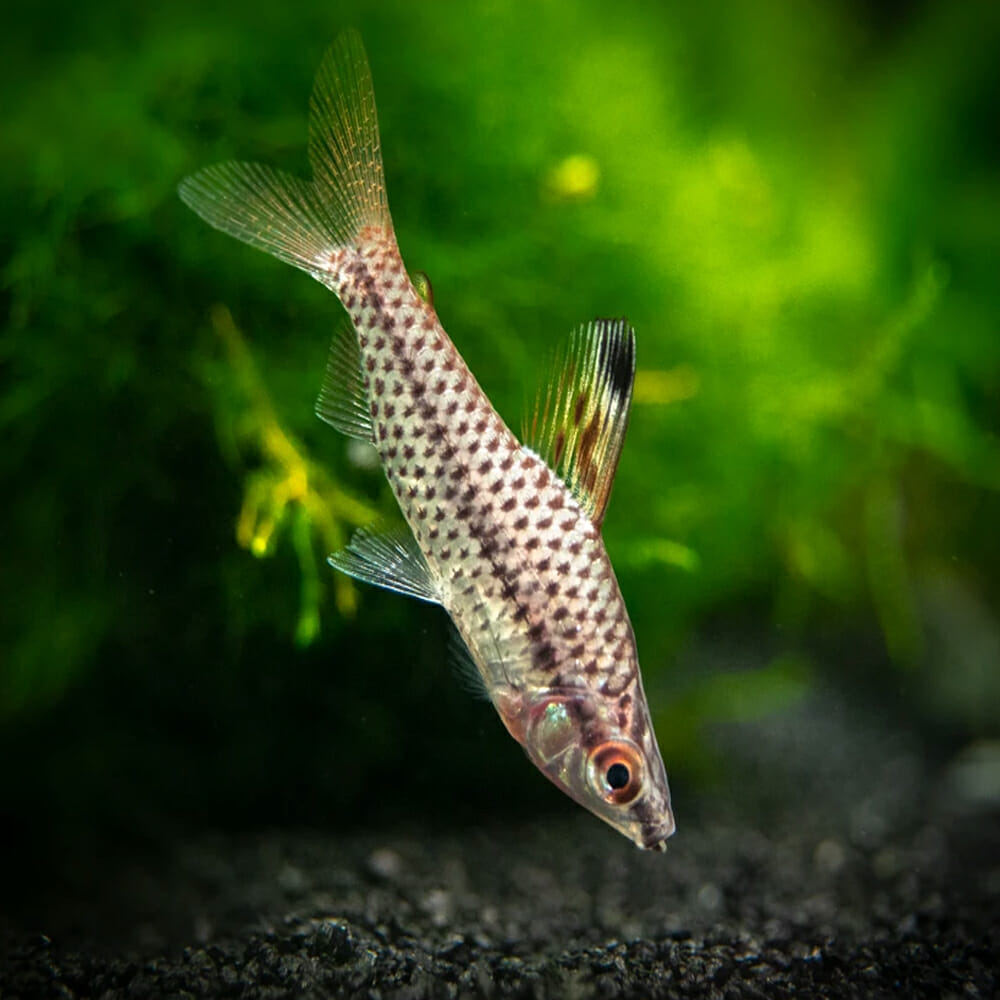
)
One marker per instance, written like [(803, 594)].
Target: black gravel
[(878, 879)]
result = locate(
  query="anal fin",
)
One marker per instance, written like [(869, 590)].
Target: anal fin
[(343, 398)]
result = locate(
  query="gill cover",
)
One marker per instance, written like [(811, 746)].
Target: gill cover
[(570, 741)]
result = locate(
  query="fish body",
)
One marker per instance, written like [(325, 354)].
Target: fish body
[(504, 536)]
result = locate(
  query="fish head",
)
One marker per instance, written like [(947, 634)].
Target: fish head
[(618, 774)]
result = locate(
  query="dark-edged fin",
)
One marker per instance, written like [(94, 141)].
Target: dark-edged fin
[(391, 559), (343, 398), (581, 411)]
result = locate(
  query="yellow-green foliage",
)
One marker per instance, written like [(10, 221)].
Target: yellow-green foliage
[(795, 205), (288, 491)]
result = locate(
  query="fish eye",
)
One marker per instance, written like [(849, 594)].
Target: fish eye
[(618, 775), (615, 770)]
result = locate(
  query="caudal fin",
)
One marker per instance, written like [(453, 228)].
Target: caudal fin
[(303, 221)]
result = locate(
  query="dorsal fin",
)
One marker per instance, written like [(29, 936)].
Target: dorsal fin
[(343, 398), (581, 411)]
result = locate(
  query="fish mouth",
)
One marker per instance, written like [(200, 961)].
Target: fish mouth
[(656, 838)]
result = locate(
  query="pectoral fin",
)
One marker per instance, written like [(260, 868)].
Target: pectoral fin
[(465, 667)]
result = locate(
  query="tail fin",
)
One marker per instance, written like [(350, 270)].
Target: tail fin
[(302, 222)]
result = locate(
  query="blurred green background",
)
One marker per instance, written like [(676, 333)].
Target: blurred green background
[(796, 204)]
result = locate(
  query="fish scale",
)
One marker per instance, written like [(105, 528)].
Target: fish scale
[(546, 563), (504, 536)]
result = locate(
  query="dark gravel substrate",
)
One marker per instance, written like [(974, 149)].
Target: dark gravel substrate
[(887, 886)]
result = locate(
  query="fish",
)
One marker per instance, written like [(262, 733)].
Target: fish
[(504, 535)]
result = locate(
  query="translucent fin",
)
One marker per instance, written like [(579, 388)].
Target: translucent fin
[(491, 656), (464, 665), (343, 398), (390, 559), (303, 221), (271, 210), (344, 149), (581, 411)]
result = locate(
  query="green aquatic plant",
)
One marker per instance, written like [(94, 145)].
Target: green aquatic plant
[(286, 492), (794, 206)]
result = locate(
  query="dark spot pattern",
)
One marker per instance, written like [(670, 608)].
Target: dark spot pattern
[(523, 569)]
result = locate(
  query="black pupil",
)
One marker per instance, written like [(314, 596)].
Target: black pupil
[(617, 776)]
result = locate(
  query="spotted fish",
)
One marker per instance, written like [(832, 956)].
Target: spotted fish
[(504, 536)]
